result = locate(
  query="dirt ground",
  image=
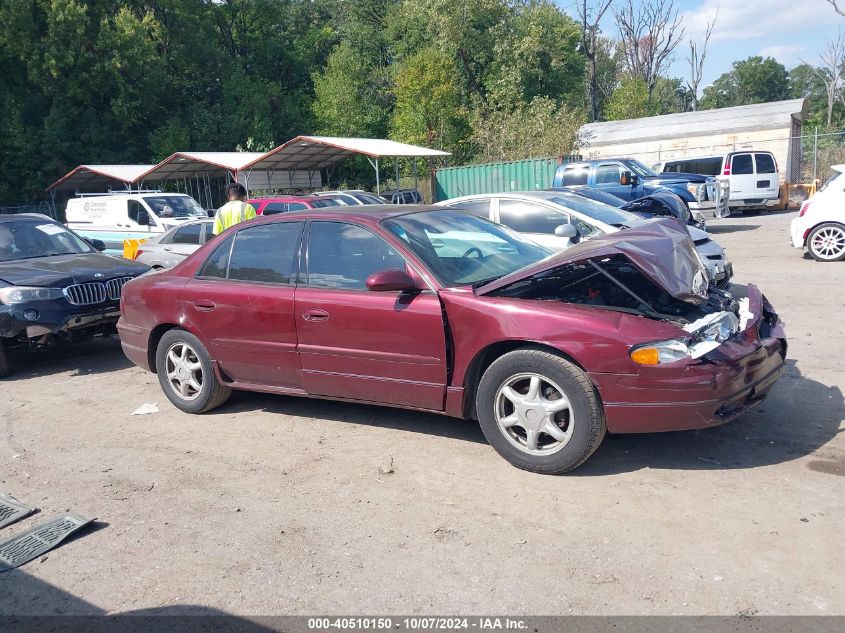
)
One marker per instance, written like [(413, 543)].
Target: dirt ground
[(276, 505)]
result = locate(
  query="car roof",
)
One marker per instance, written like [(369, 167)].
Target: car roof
[(8, 217), (366, 213), (307, 197), (542, 195)]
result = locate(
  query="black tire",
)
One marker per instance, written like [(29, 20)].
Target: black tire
[(211, 395), (588, 429), (833, 228), (5, 361)]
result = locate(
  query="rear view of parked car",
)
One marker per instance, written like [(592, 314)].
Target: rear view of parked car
[(168, 249), (820, 225), (55, 287), (753, 176)]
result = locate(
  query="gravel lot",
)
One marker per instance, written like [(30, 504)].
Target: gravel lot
[(276, 505)]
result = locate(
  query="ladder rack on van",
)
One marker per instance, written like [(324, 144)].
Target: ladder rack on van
[(117, 193)]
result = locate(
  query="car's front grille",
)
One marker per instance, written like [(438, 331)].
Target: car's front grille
[(95, 291), (86, 294), (115, 287)]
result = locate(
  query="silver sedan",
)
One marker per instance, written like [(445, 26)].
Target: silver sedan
[(542, 214), (170, 248)]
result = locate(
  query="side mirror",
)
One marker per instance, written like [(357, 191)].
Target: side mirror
[(391, 280), (626, 178), (99, 245), (566, 230)]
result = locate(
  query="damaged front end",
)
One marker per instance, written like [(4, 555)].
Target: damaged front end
[(719, 354)]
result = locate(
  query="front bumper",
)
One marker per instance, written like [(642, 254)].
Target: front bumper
[(704, 393), (702, 211), (54, 317)]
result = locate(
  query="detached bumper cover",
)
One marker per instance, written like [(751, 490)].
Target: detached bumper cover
[(704, 393)]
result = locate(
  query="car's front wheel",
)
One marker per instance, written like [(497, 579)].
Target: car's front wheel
[(826, 242), (186, 374), (539, 411)]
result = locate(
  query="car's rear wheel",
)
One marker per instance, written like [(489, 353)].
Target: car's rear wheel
[(5, 361), (826, 242), (186, 374), (539, 411)]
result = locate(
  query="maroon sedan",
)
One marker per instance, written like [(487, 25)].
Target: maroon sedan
[(438, 310)]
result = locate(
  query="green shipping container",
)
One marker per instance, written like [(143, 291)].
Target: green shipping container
[(518, 175)]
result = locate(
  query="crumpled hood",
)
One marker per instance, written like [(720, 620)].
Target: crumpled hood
[(661, 249), (64, 270)]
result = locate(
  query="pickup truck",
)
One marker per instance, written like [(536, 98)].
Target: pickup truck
[(630, 179)]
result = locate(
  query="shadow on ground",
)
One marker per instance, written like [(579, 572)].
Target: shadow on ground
[(799, 417), (98, 356), (716, 229)]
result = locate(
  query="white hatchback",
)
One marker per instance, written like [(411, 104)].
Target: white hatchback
[(820, 225)]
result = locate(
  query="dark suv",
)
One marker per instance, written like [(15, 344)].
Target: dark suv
[(55, 287)]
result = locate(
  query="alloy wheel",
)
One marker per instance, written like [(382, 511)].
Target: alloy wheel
[(534, 414), (184, 371), (829, 242)]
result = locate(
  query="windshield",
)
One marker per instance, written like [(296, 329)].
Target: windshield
[(597, 210), (462, 249), (640, 168), (368, 199), (175, 207), (327, 202), (25, 239)]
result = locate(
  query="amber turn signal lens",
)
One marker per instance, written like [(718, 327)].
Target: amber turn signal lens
[(646, 356)]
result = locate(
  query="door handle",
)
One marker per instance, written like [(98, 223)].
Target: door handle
[(315, 314), (204, 305)]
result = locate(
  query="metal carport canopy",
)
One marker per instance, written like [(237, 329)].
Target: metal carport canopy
[(99, 177), (192, 164), (319, 152)]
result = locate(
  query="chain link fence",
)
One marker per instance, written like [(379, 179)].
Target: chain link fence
[(44, 208)]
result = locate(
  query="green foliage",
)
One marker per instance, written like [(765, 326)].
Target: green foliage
[(754, 80), (629, 100), (540, 128)]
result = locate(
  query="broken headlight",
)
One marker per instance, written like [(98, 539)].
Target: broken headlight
[(706, 335), (24, 294)]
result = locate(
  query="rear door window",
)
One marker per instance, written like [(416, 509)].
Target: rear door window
[(741, 165), (190, 234), (526, 217), (297, 206), (271, 208), (765, 164), (575, 176), (265, 253)]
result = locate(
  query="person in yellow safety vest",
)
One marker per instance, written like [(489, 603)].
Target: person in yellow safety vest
[(235, 211)]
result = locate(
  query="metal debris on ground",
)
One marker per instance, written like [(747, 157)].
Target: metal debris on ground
[(36, 541), (12, 510), (146, 408)]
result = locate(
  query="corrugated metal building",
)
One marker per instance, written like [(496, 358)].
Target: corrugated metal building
[(773, 127)]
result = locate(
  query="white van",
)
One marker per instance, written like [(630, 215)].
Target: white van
[(753, 176), (115, 217)]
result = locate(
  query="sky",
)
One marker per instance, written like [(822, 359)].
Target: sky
[(791, 31)]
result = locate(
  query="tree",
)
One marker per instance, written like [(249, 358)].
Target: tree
[(536, 54), (830, 72), (753, 80), (427, 100), (629, 100), (696, 58), (345, 103), (804, 83), (540, 128), (650, 32), (836, 7), (591, 14)]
